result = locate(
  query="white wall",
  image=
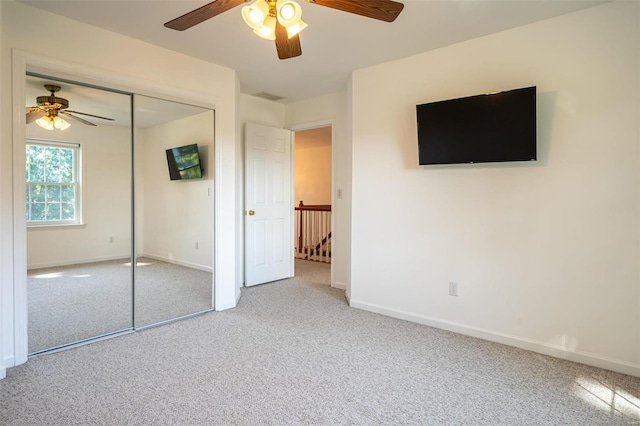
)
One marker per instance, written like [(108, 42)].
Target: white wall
[(261, 111), (121, 62), (106, 196), (312, 171), (546, 255), (332, 109), (177, 214)]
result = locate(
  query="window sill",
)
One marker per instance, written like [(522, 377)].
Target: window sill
[(55, 226)]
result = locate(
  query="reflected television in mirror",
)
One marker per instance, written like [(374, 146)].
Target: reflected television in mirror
[(184, 162)]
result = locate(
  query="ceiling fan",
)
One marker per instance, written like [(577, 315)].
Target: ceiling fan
[(47, 113), (280, 20)]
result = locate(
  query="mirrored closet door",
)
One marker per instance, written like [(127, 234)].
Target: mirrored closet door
[(173, 153), (78, 211), (119, 208)]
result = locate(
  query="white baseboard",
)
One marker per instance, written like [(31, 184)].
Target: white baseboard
[(178, 262), (544, 348), (347, 295), (77, 262), (339, 285), (3, 373)]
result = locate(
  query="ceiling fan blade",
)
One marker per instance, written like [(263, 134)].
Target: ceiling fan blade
[(33, 114), (382, 10), (287, 47), (90, 115), (201, 14), (83, 121)]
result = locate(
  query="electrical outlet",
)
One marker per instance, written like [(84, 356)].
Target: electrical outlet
[(453, 288), (339, 196), (196, 246), (110, 239)]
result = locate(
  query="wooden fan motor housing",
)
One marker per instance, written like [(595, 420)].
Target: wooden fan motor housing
[(52, 101)]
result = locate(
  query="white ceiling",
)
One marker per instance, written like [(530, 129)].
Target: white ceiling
[(334, 44)]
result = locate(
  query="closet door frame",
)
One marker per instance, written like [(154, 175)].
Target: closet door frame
[(13, 324)]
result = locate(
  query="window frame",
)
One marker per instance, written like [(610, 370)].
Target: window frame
[(77, 182)]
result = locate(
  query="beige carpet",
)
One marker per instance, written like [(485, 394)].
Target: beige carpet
[(73, 303), (294, 353)]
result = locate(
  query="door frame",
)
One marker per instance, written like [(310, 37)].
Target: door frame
[(310, 126), (13, 324)]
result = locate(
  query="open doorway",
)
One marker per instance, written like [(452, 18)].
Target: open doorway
[(312, 194), (287, 206)]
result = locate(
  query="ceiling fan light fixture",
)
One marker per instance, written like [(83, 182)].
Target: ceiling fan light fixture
[(289, 12), (45, 122), (268, 28), (287, 15), (60, 123), (296, 28), (255, 14), (53, 121)]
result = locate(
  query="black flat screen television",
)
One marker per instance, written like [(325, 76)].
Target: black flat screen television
[(184, 162), (495, 127)]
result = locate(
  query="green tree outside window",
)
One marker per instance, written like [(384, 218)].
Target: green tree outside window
[(52, 183)]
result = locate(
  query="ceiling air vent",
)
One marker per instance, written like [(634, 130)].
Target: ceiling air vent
[(269, 96)]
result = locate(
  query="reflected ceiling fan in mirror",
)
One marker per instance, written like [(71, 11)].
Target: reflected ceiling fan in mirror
[(49, 108), (281, 20)]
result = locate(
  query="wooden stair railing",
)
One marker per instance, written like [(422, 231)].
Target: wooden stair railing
[(310, 242), (318, 246)]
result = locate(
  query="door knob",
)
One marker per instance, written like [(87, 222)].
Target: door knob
[(251, 212)]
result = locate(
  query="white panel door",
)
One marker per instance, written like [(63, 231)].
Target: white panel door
[(268, 204)]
